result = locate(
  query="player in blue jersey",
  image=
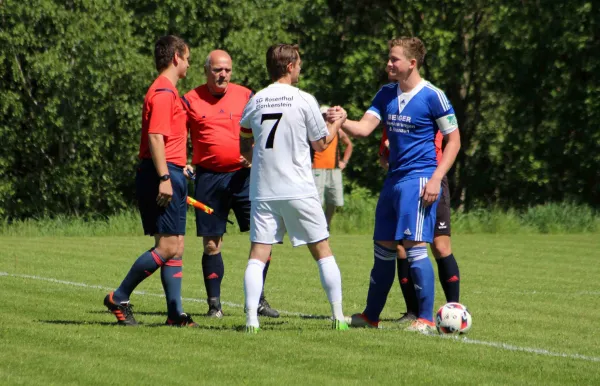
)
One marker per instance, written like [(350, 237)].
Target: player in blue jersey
[(413, 111)]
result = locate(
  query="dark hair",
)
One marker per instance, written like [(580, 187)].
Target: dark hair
[(165, 49), (278, 57), (413, 48)]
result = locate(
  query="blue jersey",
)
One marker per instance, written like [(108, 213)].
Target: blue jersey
[(412, 120)]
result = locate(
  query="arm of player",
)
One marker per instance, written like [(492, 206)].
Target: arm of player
[(246, 144), (359, 129), (432, 188), (384, 151), (246, 135), (159, 127), (362, 128), (384, 161), (347, 151), (323, 143), (157, 149)]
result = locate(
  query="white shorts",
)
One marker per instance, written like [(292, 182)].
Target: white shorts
[(303, 219)]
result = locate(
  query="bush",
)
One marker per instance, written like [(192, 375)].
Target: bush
[(563, 217)]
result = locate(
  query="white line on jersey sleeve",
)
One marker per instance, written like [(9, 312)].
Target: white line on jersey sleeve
[(444, 102), (374, 113)]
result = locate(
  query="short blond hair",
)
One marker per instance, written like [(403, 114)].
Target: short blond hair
[(413, 48)]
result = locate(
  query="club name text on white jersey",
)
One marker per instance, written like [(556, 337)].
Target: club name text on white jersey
[(283, 120)]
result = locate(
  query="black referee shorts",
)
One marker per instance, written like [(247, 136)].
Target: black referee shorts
[(442, 221)]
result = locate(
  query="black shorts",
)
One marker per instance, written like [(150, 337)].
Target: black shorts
[(156, 219), (222, 192), (442, 221)]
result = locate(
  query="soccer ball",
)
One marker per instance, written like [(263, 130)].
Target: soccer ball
[(453, 318)]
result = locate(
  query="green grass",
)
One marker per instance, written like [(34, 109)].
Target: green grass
[(534, 301)]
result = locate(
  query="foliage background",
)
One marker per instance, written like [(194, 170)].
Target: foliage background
[(522, 77)]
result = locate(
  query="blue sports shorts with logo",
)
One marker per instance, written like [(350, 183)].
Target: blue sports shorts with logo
[(400, 213), (156, 219)]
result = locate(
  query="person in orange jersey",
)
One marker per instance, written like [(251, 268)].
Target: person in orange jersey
[(327, 170)]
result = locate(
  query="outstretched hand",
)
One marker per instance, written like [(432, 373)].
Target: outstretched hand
[(335, 113)]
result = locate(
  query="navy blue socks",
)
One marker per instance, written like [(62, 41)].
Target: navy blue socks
[(144, 266), (449, 276), (213, 271), (407, 286), (171, 275)]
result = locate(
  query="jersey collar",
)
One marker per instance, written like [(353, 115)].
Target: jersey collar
[(405, 97)]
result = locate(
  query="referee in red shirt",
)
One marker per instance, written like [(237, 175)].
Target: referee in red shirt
[(161, 186), (223, 175)]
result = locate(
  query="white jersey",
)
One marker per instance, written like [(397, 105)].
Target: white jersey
[(282, 119)]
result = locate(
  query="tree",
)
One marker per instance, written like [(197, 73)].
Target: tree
[(72, 86)]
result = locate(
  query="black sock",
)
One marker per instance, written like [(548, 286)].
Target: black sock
[(407, 286), (213, 271), (262, 295), (449, 277), (171, 274)]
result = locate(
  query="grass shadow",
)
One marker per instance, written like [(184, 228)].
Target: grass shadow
[(149, 313), (78, 323), (322, 317)]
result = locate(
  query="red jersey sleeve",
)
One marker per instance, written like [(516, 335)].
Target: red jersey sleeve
[(384, 150), (439, 138), (161, 113)]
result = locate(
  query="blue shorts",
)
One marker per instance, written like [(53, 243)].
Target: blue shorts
[(156, 219), (222, 191), (400, 214)]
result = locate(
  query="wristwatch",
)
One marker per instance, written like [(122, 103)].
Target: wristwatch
[(164, 177)]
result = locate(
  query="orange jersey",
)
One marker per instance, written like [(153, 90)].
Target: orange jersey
[(439, 138), (328, 158), (215, 126), (164, 114)]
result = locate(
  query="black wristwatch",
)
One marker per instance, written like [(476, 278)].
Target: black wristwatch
[(164, 177)]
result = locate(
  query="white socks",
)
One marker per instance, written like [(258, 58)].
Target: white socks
[(331, 280), (253, 284)]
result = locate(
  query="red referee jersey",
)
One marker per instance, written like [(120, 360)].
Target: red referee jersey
[(164, 114), (215, 126)]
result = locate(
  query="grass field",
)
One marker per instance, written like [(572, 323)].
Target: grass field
[(535, 302)]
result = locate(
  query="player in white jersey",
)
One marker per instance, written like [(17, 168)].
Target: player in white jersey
[(279, 121), (413, 111)]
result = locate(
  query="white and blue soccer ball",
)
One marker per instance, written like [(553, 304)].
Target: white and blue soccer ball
[(453, 318)]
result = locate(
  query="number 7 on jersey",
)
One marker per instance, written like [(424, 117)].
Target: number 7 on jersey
[(271, 117)]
